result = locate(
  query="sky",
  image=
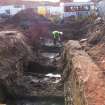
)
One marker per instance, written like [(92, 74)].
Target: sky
[(59, 0)]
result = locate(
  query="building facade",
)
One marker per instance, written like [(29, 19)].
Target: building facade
[(11, 9)]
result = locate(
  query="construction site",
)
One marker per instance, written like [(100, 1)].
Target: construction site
[(38, 68)]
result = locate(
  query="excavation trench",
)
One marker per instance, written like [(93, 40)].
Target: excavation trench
[(35, 68), (38, 81), (43, 80), (46, 86), (38, 101), (27, 79)]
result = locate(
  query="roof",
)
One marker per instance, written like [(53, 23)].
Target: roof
[(78, 3), (26, 3)]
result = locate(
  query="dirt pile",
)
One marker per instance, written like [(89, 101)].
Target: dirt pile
[(32, 25), (14, 55), (18, 77), (96, 42), (29, 14), (95, 33), (91, 71), (91, 34), (21, 70), (84, 80), (74, 29)]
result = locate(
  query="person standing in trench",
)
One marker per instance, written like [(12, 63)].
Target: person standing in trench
[(56, 36)]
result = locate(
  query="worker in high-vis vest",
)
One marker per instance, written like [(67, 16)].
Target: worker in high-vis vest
[(57, 36)]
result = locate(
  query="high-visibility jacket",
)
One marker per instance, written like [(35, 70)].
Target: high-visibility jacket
[(56, 34)]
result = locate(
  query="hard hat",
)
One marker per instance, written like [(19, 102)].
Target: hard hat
[(61, 33)]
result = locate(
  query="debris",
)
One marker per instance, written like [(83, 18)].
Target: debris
[(53, 75), (83, 40)]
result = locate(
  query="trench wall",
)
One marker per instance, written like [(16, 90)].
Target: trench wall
[(83, 79)]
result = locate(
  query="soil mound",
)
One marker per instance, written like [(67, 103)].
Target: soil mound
[(14, 55), (32, 25)]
